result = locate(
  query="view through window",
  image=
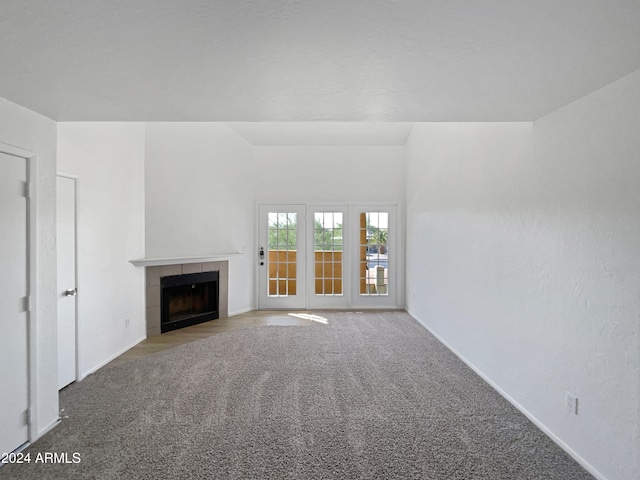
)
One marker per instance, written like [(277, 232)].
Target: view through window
[(328, 253), (282, 254), (374, 253)]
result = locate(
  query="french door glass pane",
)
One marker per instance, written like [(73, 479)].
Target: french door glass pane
[(282, 230), (327, 246), (374, 253)]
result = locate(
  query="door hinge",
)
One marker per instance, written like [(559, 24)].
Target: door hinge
[(27, 189), (27, 416), (26, 304)]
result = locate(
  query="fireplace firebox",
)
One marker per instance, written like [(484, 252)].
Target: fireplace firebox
[(188, 300)]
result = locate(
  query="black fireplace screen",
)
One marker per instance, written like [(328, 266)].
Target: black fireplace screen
[(188, 299)]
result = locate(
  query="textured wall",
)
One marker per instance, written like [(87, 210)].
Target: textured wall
[(347, 175), (200, 200), (329, 174), (33, 132), (523, 256), (108, 159)]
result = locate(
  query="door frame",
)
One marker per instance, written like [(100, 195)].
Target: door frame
[(396, 270), (332, 302), (32, 275), (352, 295), (75, 180), (262, 264)]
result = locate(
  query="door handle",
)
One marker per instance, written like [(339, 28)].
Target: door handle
[(71, 292), (261, 255)]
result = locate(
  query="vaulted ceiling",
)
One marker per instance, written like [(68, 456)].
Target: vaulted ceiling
[(311, 60)]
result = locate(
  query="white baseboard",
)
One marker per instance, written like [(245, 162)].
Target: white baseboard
[(240, 312), (112, 357), (586, 465), (49, 427)]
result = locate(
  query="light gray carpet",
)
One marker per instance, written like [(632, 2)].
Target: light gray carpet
[(371, 395)]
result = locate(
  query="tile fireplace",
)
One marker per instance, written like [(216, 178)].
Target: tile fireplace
[(184, 294)]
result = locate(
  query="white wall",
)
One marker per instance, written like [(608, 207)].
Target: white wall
[(30, 131), (108, 159), (345, 175), (200, 199), (329, 174), (523, 256)]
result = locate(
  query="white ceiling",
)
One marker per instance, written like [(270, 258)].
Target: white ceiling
[(311, 60)]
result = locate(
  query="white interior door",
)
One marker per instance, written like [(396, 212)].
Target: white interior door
[(282, 257), (14, 394), (66, 250)]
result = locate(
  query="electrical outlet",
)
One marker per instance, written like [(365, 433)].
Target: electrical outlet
[(126, 322), (572, 403)]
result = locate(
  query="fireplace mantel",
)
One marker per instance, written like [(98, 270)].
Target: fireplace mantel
[(155, 262)]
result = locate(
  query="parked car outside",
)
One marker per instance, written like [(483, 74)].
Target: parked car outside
[(377, 260)]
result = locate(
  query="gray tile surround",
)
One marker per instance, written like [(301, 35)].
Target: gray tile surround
[(153, 275)]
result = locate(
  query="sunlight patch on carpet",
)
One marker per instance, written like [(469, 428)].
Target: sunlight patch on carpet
[(308, 316)]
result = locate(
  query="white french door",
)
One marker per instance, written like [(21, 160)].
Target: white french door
[(282, 257), (327, 256), (376, 267)]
